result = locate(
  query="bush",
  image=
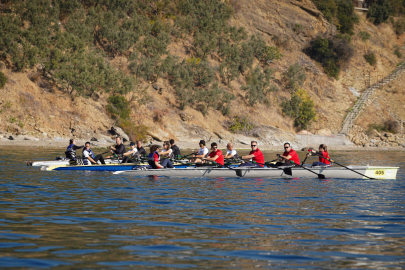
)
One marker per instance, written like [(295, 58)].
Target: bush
[(391, 126), (346, 16), (258, 86), (332, 53), (118, 108), (397, 51), (370, 58), (379, 11), (294, 76), (135, 132), (399, 26), (364, 35), (340, 12), (3, 80), (241, 124), (301, 108)]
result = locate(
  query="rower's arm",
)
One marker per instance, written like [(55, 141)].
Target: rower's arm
[(158, 165), (228, 156), (91, 160), (212, 158), (286, 157), (248, 157)]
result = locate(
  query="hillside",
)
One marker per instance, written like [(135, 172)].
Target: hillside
[(182, 72)]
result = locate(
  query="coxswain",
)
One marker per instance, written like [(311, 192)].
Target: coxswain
[(215, 155), (230, 152), (202, 153), (154, 159), (289, 157), (88, 156), (176, 149), (256, 155), (323, 156), (141, 150), (71, 150), (118, 149), (131, 155)]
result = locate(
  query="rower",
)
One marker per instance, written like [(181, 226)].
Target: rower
[(118, 149), (256, 155), (231, 153), (141, 150), (289, 157), (323, 156), (176, 150), (167, 152), (216, 155), (71, 150), (202, 153), (88, 156), (154, 159), (131, 155)]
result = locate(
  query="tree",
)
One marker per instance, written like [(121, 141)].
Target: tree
[(295, 76), (379, 11), (258, 85)]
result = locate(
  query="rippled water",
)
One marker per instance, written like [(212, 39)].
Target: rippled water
[(97, 220)]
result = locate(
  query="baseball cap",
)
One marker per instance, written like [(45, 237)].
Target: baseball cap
[(131, 144)]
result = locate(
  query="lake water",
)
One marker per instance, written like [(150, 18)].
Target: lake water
[(92, 220)]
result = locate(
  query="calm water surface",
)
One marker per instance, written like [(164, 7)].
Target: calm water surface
[(70, 220)]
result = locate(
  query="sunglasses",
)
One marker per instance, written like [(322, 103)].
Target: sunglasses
[(214, 147), (253, 145), (286, 147)]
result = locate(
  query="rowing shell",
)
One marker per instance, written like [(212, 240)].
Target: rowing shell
[(377, 172), (62, 162)]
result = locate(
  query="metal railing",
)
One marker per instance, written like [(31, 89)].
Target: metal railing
[(356, 109)]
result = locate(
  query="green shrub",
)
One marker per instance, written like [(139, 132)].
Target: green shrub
[(272, 54), (3, 80), (364, 35), (370, 58), (294, 76), (332, 53), (397, 51), (301, 108), (391, 126), (241, 124), (340, 12), (118, 107), (346, 16), (379, 11), (399, 26), (258, 86)]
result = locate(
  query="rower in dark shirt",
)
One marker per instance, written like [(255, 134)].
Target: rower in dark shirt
[(141, 150), (118, 149), (175, 149), (71, 149)]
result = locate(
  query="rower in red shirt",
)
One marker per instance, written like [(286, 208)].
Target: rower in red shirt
[(288, 156), (323, 156), (216, 155), (256, 155)]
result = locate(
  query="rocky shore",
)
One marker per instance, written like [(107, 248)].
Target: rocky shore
[(376, 139), (267, 140)]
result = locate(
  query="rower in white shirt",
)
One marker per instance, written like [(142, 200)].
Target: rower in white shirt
[(231, 153), (202, 153)]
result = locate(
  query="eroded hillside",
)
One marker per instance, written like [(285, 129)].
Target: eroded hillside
[(31, 104)]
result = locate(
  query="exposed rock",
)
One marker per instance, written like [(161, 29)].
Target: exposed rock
[(158, 87), (119, 132), (186, 117), (2, 66), (304, 132), (11, 138), (159, 135), (31, 138)]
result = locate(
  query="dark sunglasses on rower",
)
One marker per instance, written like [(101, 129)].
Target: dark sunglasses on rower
[(253, 145)]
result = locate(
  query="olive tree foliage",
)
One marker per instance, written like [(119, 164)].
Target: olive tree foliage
[(258, 85)]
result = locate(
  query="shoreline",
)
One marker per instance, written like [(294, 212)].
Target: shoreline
[(61, 144)]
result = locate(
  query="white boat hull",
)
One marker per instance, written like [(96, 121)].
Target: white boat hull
[(375, 172)]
